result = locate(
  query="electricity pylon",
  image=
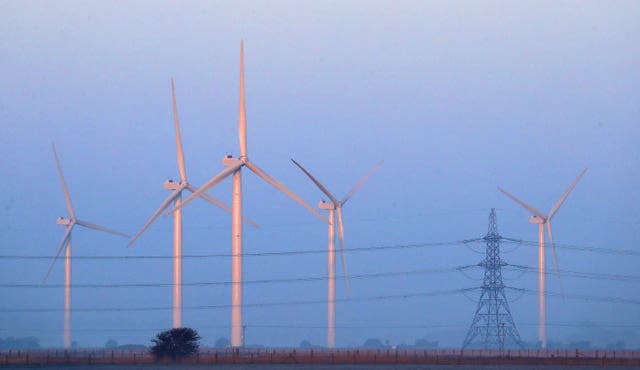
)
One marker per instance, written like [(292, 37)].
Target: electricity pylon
[(492, 326)]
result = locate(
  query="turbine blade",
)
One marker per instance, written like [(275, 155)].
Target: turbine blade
[(555, 256), (523, 204), (67, 197), (242, 117), (211, 199), (209, 184), (564, 196), (280, 186), (101, 228), (220, 204), (342, 256), (176, 123), (63, 243), (155, 216), (361, 183), (315, 181)]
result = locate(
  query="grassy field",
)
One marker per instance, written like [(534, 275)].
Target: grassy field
[(282, 358), (316, 367)]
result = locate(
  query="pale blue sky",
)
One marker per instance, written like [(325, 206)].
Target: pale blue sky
[(456, 97)]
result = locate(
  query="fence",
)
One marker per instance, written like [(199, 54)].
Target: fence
[(327, 356)]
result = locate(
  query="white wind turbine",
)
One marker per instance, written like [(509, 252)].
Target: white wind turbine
[(335, 206), (540, 219), (233, 167), (176, 197), (65, 244)]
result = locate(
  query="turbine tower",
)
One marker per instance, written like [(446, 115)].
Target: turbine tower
[(69, 222), (234, 167), (538, 218), (335, 206), (492, 324), (176, 197)]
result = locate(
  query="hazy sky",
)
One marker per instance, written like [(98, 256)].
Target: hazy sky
[(456, 97)]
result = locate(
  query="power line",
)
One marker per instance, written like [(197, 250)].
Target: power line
[(263, 281), (582, 248), (256, 254), (311, 302), (601, 250), (354, 326), (576, 274), (578, 296), (463, 268), (245, 305)]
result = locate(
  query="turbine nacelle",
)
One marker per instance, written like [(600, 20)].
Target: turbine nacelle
[(535, 219), (63, 221), (230, 161), (169, 184), (326, 205)]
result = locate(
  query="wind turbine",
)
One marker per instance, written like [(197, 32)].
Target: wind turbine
[(234, 167), (176, 197), (540, 219), (335, 206), (65, 245)]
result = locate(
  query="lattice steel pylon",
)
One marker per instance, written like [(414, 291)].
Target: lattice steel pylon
[(492, 326)]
